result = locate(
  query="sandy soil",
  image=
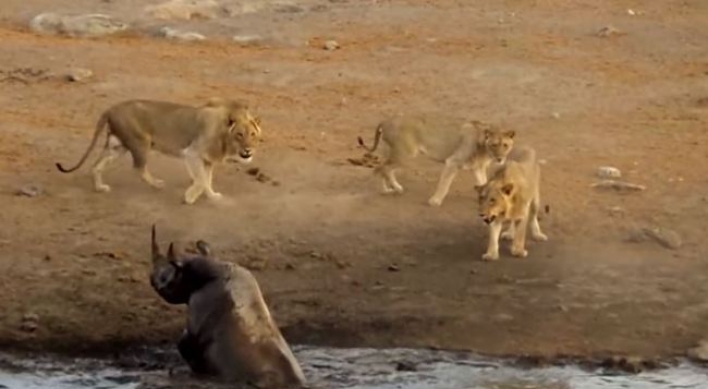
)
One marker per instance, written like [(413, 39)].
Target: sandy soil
[(339, 263)]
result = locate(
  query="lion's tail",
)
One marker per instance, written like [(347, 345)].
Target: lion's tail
[(100, 125), (377, 139)]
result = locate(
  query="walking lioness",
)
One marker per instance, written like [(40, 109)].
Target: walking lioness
[(230, 332), (471, 146), (512, 195), (203, 136)]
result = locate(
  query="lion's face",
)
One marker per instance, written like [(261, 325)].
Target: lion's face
[(494, 201), (243, 136), (499, 143)]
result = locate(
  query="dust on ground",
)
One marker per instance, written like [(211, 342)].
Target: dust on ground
[(339, 263)]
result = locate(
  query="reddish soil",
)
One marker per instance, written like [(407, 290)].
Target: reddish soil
[(338, 262)]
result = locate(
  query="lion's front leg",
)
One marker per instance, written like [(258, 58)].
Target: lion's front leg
[(446, 177), (492, 253), (196, 169), (209, 170)]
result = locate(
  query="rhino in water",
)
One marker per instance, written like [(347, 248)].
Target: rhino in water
[(230, 333)]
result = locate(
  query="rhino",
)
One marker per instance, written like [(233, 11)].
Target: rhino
[(230, 332)]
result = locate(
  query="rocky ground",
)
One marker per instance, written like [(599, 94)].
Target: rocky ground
[(588, 83)]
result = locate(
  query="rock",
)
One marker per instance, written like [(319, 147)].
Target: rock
[(29, 191), (608, 172), (393, 267), (253, 171), (700, 352), (555, 115), (88, 25), (667, 238), (184, 10), (608, 31), (330, 45), (78, 75), (619, 186), (171, 33)]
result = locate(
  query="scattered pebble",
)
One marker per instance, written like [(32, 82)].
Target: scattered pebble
[(289, 8), (331, 45), (631, 12), (619, 186), (29, 191), (253, 171), (393, 267), (78, 75), (555, 115), (608, 172)]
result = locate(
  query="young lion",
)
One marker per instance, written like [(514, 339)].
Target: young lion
[(230, 333), (203, 136), (512, 195), (458, 148)]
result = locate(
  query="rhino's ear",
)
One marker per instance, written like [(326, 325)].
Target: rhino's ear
[(203, 248), (172, 258)]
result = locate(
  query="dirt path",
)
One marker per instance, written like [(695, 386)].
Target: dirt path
[(339, 263)]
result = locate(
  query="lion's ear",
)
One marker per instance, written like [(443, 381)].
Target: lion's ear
[(510, 134), (507, 189)]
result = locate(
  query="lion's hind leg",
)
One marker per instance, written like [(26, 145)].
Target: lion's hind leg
[(139, 151), (111, 151), (536, 232)]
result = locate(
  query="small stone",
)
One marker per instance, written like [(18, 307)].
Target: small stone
[(342, 264), (253, 171), (667, 238), (331, 45), (608, 172), (631, 12), (290, 266), (29, 191), (615, 211), (393, 267), (78, 75), (47, 258), (260, 177), (184, 10), (555, 115)]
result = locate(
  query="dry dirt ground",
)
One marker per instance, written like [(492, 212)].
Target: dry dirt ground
[(339, 263)]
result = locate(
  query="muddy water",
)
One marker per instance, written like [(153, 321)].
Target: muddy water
[(350, 369)]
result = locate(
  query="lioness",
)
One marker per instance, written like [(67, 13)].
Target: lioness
[(230, 333), (471, 146), (203, 136), (512, 195)]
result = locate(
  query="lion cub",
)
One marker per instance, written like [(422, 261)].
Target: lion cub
[(512, 195), (470, 146), (203, 136)]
